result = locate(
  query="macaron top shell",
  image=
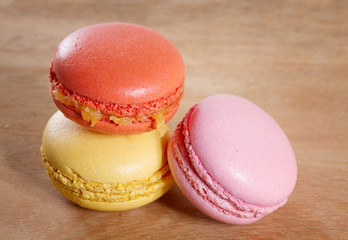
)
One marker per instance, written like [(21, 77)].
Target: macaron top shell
[(118, 63), (100, 157), (243, 149)]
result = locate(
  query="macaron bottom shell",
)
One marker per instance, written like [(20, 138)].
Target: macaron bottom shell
[(207, 207), (111, 206)]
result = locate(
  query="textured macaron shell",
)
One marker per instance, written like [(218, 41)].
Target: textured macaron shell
[(111, 206), (243, 149), (99, 157), (118, 63)]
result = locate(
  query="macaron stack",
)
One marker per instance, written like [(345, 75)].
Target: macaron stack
[(116, 85)]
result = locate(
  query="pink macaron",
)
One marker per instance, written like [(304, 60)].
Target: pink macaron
[(232, 160)]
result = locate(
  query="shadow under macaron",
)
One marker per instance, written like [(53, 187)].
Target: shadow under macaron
[(177, 201)]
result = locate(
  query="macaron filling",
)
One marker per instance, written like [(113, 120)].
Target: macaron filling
[(204, 184), (108, 192), (121, 114)]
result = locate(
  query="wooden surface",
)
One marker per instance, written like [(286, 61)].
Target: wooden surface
[(289, 57)]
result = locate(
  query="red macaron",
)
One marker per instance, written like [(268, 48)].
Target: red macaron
[(117, 78)]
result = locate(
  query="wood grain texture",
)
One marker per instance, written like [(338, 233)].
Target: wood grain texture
[(289, 57)]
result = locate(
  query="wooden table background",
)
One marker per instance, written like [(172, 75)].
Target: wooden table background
[(289, 57)]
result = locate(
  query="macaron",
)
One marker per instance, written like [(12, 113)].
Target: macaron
[(232, 160), (117, 78), (105, 171)]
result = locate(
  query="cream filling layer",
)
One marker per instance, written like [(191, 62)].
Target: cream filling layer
[(93, 115), (108, 192)]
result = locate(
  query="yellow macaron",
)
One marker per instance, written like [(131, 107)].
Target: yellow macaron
[(105, 172)]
